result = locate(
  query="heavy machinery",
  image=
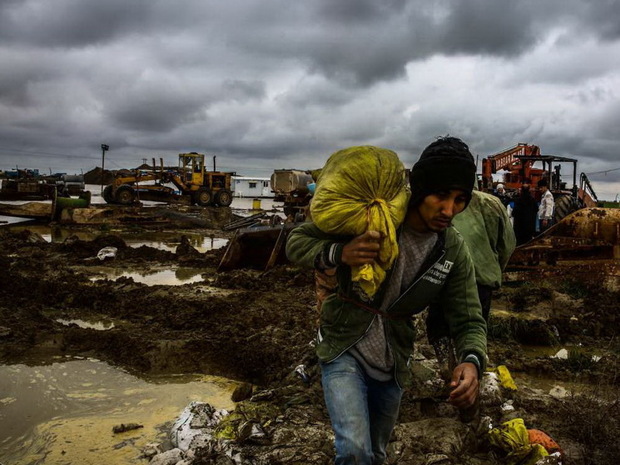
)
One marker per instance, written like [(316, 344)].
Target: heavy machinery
[(518, 162), (294, 189), (584, 236), (261, 246), (194, 184)]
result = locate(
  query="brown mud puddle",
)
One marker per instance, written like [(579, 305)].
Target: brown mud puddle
[(64, 411)]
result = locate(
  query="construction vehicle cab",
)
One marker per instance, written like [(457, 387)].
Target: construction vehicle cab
[(205, 187), (518, 162)]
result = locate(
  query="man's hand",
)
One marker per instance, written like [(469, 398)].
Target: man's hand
[(362, 249), (464, 385), (544, 223)]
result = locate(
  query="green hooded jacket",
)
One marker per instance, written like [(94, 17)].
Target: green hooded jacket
[(447, 277), (489, 236)]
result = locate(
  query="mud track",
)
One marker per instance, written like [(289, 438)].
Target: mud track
[(241, 325), (257, 327)]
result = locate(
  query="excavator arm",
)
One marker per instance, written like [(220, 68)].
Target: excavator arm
[(508, 160)]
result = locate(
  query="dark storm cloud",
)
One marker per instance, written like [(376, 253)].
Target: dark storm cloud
[(283, 83), (69, 23), (357, 42), (236, 89), (162, 106)]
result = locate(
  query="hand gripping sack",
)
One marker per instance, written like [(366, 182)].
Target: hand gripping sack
[(360, 189)]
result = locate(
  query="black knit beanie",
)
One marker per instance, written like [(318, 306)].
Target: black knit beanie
[(445, 164)]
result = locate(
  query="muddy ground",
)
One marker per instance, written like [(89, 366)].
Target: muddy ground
[(257, 327)]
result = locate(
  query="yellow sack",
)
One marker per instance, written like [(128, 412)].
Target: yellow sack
[(361, 189), (506, 378), (512, 437)]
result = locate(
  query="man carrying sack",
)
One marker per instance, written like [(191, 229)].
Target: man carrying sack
[(392, 259)]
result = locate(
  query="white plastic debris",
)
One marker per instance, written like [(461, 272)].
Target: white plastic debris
[(107, 252), (507, 406), (490, 390), (558, 392), (562, 354), (197, 419)]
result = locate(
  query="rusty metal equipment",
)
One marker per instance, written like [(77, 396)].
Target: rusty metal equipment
[(258, 248), (587, 234), (293, 188), (518, 162)]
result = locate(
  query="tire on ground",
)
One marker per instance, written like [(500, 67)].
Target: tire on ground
[(223, 198), (125, 195), (564, 206), (107, 193), (202, 197)]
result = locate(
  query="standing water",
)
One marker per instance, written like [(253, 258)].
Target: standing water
[(64, 412)]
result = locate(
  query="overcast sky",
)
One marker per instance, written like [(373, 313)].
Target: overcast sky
[(270, 84)]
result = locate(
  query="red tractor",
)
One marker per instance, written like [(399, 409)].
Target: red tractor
[(518, 164)]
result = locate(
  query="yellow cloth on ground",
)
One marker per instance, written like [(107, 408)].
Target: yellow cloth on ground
[(363, 189), (506, 378), (512, 437)]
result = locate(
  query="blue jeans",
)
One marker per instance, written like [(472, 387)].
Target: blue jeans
[(363, 411)]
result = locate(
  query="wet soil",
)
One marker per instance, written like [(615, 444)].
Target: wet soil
[(257, 327)]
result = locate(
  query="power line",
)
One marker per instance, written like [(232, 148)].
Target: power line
[(605, 171)]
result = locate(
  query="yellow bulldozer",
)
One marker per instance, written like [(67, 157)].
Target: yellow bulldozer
[(193, 182)]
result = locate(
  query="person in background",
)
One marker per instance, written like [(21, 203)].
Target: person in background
[(524, 215), (487, 231), (545, 209), (365, 347), (500, 193)]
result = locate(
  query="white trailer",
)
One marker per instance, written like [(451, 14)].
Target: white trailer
[(243, 186)]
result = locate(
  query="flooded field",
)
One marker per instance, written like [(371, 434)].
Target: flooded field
[(64, 411), (87, 344)]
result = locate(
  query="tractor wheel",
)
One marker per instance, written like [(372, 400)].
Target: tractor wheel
[(564, 206), (223, 198), (107, 193), (202, 197), (125, 195)]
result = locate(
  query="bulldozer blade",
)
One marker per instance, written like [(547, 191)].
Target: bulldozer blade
[(32, 210), (587, 234), (258, 248)]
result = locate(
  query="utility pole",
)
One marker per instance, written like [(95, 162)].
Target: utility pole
[(104, 149)]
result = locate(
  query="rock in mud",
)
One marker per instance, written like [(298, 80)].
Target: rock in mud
[(126, 427), (170, 457), (241, 392)]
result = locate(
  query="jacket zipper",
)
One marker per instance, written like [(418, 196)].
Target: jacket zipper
[(387, 340), (358, 340)]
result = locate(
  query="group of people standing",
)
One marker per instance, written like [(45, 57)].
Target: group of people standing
[(530, 216)]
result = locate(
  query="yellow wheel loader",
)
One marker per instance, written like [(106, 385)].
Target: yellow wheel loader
[(193, 182)]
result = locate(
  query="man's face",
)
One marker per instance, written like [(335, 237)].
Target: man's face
[(436, 211)]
